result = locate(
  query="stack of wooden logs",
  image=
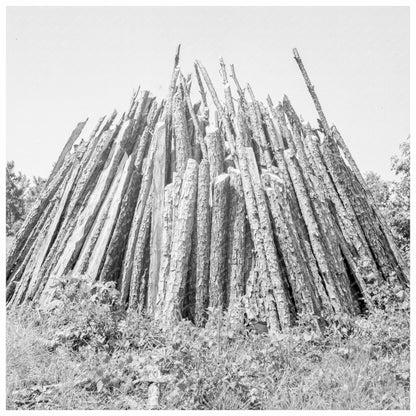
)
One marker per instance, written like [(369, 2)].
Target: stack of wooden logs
[(253, 212)]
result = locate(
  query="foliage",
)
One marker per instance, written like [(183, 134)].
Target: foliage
[(15, 207), (87, 352), (21, 193), (393, 197)]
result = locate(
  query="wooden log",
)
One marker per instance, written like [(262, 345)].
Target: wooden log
[(319, 250), (236, 248), (226, 121), (275, 271), (305, 296), (35, 213), (165, 250), (203, 242), (96, 232), (289, 202), (84, 221), (25, 255), (352, 204), (30, 242), (68, 146), (218, 250), (53, 229), (216, 153), (181, 243), (138, 266), (28, 276), (125, 276), (386, 230), (312, 92), (90, 172), (97, 256), (350, 228), (195, 121), (111, 269), (157, 191), (258, 131), (227, 90), (323, 215), (182, 146)]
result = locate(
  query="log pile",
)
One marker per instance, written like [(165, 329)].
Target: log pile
[(236, 205)]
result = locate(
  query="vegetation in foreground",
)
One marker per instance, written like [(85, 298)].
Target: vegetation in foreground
[(87, 353)]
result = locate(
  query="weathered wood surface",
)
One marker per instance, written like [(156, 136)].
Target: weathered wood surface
[(219, 235), (251, 211), (203, 242), (181, 242)]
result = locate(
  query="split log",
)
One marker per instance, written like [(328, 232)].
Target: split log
[(111, 269), (138, 266), (216, 153), (306, 299), (218, 250), (181, 242), (84, 221), (236, 248), (98, 253), (52, 230), (203, 242), (157, 191), (163, 275), (386, 230), (68, 146), (35, 213), (318, 248), (126, 271)]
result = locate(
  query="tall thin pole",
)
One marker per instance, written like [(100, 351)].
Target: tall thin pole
[(311, 89)]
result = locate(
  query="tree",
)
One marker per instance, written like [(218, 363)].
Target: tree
[(21, 193), (15, 205), (393, 197), (400, 197)]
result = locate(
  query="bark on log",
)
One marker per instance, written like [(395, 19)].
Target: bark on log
[(318, 248), (386, 230), (275, 271), (53, 229), (216, 153), (181, 242), (68, 146), (84, 221), (218, 251), (125, 276), (203, 243), (98, 253), (165, 250), (157, 191), (138, 266), (35, 213), (236, 248)]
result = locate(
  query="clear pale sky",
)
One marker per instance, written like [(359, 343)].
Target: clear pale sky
[(68, 63)]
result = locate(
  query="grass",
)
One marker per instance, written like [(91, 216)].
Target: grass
[(88, 354)]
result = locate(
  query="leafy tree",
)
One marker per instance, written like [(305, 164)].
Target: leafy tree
[(21, 193), (393, 197), (33, 191), (15, 206)]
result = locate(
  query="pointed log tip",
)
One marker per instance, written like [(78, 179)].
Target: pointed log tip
[(286, 99), (177, 55), (296, 53)]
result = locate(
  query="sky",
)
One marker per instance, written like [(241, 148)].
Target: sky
[(65, 64)]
